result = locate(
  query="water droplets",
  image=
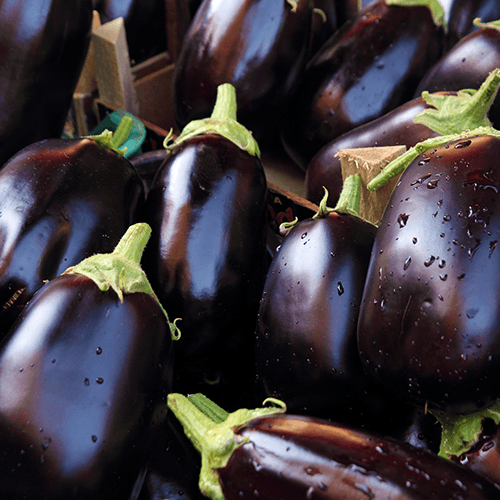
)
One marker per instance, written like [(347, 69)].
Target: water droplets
[(407, 263), (403, 220), (340, 288)]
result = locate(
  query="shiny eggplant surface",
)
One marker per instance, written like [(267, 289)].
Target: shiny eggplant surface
[(371, 65), (259, 46), (429, 321), (61, 200), (466, 65), (306, 348), (394, 128), (43, 45), (207, 257), (290, 457), (83, 384)]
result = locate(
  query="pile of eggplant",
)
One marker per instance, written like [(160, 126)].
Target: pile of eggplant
[(159, 339)]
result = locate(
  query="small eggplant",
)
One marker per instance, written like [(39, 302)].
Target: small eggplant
[(368, 67), (258, 46), (43, 45), (421, 118), (429, 323), (467, 64), (61, 201), (269, 455), (207, 258), (84, 374), (306, 348)]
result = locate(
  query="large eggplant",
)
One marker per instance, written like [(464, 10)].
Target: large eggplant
[(84, 375), (371, 65), (207, 258), (258, 46), (263, 453), (429, 321), (43, 45), (61, 201)]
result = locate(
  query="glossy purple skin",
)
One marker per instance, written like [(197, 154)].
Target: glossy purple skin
[(392, 129), (260, 47), (207, 259), (429, 324), (465, 66), (306, 349), (83, 385), (371, 65), (462, 14), (296, 458), (61, 200), (43, 45)]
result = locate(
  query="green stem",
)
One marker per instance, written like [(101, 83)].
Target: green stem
[(113, 140), (121, 271), (214, 441), (467, 110), (399, 164), (222, 122)]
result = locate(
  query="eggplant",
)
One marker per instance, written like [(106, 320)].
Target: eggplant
[(147, 164), (207, 258), (62, 200), (258, 46), (421, 118), (145, 25), (306, 348), (267, 454), (429, 320), (467, 64), (463, 13), (84, 375), (368, 67), (43, 45)]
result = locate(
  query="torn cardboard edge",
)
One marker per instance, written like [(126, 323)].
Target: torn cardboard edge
[(369, 162)]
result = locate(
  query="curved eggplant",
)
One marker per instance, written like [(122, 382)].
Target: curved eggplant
[(371, 65), (467, 64), (273, 456), (429, 321), (61, 201), (43, 46), (207, 258), (84, 375), (259, 47)]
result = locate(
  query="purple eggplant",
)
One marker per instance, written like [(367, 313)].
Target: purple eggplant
[(429, 321), (421, 118), (259, 47), (368, 67), (306, 348), (467, 64), (207, 258), (62, 201), (43, 45), (84, 375), (266, 454)]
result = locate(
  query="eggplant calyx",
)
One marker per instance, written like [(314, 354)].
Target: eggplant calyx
[(399, 164), (121, 271), (293, 3), (434, 6), (222, 122), (113, 140), (461, 432), (467, 110), (494, 25), (215, 441), (348, 202)]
